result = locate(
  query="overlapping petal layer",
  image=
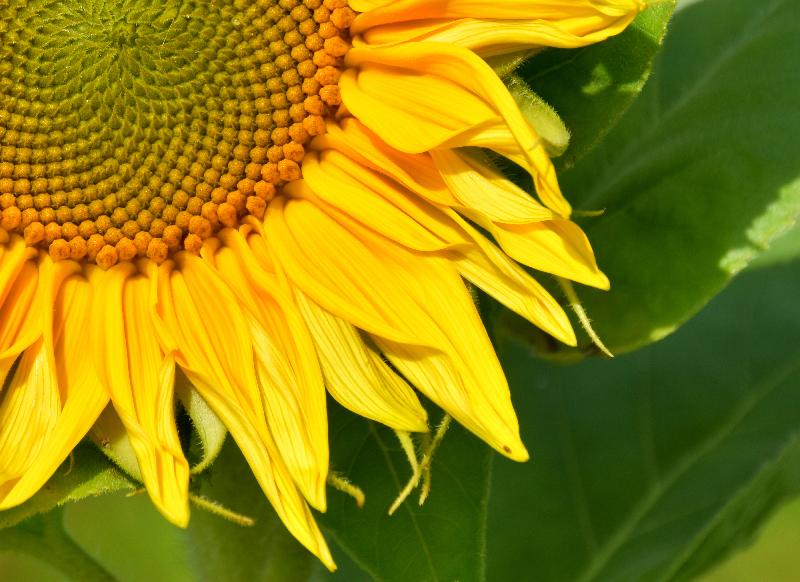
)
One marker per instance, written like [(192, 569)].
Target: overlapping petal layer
[(354, 282), (492, 28)]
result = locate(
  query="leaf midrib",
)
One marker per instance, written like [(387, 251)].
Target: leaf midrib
[(685, 557), (710, 443)]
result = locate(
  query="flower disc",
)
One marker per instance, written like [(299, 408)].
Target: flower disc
[(140, 127)]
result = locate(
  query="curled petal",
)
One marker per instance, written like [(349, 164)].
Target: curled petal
[(288, 372), (435, 336), (492, 28), (422, 96), (219, 361), (75, 393), (140, 379)]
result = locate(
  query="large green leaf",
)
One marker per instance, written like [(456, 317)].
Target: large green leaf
[(442, 540), (772, 557), (127, 536), (590, 88), (786, 248), (655, 464), (224, 550), (48, 553), (701, 174)]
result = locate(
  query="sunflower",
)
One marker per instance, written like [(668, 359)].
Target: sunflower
[(270, 199)]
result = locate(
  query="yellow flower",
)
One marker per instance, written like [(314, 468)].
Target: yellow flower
[(271, 197)]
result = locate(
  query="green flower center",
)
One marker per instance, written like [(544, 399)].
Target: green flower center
[(141, 127)]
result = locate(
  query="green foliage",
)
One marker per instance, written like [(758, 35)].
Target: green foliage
[(87, 474), (701, 174), (654, 465), (133, 542), (53, 554), (591, 87), (220, 549), (442, 540), (774, 555), (785, 248)]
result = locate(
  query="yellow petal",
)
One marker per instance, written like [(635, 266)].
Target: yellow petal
[(286, 366), (30, 408), (352, 300), (26, 314), (344, 186), (13, 257), (448, 355), (19, 324), (33, 402), (411, 111), (422, 96), (140, 379), (201, 316), (393, 11), (558, 246), (477, 187), (489, 268), (357, 377), (492, 28), (339, 182), (414, 171), (80, 391), (28, 413), (542, 242)]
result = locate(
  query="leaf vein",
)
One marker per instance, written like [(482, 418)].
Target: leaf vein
[(626, 529)]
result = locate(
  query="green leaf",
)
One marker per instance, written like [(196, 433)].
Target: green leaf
[(656, 464), (88, 474), (224, 550), (127, 536), (133, 542), (784, 249), (701, 174), (590, 88), (43, 540), (443, 539), (772, 557)]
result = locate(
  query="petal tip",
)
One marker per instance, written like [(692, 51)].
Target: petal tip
[(596, 279), (603, 282), (568, 337), (316, 496), (176, 513), (516, 452)]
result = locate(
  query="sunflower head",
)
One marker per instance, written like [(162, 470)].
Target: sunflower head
[(272, 200), (141, 128)]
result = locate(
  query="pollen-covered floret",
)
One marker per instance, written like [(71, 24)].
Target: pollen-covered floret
[(183, 119)]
